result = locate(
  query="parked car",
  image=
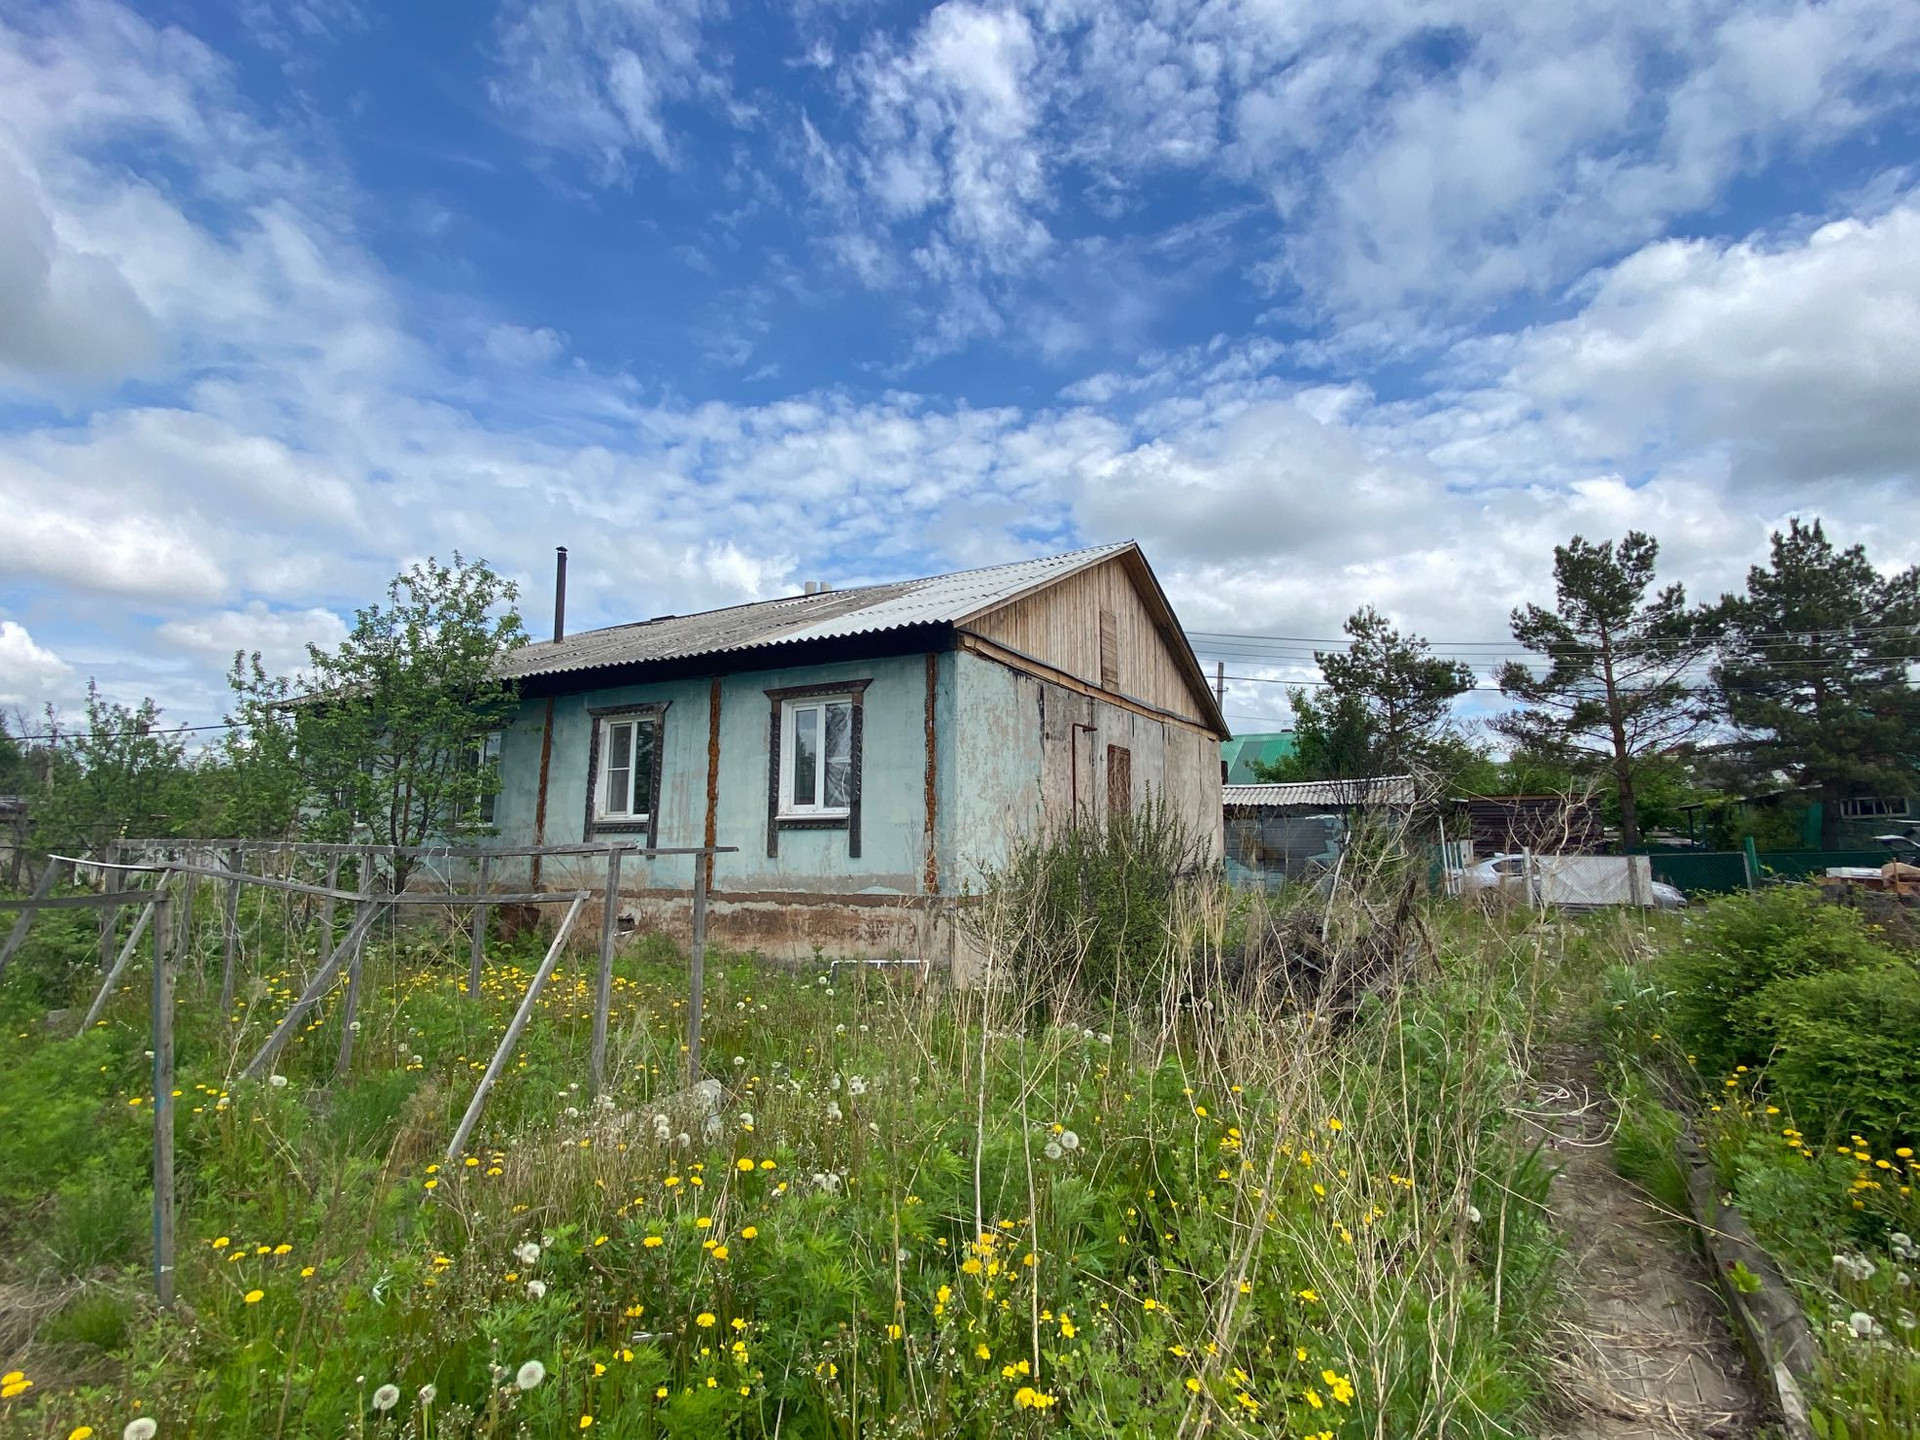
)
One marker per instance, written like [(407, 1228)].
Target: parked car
[(1501, 872)]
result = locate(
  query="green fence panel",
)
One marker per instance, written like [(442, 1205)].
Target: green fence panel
[(1702, 872)]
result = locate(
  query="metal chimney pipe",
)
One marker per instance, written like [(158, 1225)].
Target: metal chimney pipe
[(559, 592)]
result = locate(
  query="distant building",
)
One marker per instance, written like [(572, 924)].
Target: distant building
[(1239, 755), (1289, 832)]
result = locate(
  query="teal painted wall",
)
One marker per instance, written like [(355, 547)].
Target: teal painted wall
[(893, 783)]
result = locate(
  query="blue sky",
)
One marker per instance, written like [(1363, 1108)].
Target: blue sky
[(1326, 304)]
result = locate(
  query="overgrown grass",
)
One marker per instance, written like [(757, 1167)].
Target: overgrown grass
[(913, 1212), (1782, 1030)]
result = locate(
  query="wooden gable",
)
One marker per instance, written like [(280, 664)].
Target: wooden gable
[(1109, 627)]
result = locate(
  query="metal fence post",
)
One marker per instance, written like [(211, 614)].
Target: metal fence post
[(162, 1105), (477, 958), (699, 968), (603, 996)]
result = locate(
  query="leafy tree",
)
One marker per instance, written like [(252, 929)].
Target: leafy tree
[(14, 773), (387, 730), (1384, 711), (1814, 668), (260, 786), (118, 773), (1621, 668)]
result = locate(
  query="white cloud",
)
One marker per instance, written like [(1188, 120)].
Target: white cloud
[(29, 672), (597, 76), (280, 636)]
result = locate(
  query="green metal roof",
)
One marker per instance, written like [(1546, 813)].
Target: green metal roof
[(1243, 752)]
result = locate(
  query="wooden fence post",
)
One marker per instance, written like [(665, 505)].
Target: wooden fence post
[(230, 933), (512, 1037), (478, 955), (162, 1105), (326, 912), (699, 968)]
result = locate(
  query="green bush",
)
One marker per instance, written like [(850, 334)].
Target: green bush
[(1743, 944), (1090, 909), (1847, 1049)]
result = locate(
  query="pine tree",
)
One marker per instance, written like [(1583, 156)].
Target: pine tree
[(1815, 670), (1621, 681)]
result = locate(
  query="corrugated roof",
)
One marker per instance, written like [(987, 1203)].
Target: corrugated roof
[(866, 610), (1331, 794)]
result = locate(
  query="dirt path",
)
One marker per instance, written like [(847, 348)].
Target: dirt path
[(1646, 1351)]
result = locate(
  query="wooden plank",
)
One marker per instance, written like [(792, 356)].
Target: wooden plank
[(1015, 660), (518, 1024), (111, 900), (230, 935), (316, 987), (112, 976)]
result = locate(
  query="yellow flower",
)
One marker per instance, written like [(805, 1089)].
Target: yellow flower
[(1066, 1327), (1308, 1295), (1333, 1123), (750, 1233), (80, 1432), (982, 1351), (1313, 1399), (745, 1165), (1193, 1384), (254, 1297), (704, 1319), (766, 1165), (705, 1222), (719, 1252), (653, 1242), (660, 1393), (586, 1421), (306, 1272)]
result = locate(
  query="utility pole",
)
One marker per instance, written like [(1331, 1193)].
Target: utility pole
[(1220, 683)]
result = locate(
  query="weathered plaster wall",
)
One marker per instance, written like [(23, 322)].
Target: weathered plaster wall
[(893, 783), (1028, 751)]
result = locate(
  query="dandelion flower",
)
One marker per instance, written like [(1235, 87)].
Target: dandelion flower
[(254, 1297), (750, 1233), (386, 1397), (1053, 1150), (585, 1421), (704, 1319), (145, 1428), (530, 1375), (653, 1242), (1069, 1141)]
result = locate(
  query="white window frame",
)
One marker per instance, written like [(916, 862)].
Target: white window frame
[(789, 808), (1875, 807), (603, 752)]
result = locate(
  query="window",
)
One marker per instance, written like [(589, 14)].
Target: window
[(816, 754), (1874, 807), (813, 771), (1119, 781), (487, 762), (623, 771), (479, 764), (626, 768)]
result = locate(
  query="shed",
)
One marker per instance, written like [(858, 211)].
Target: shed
[(1287, 832)]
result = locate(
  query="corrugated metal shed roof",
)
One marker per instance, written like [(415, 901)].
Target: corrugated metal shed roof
[(869, 609), (1328, 794)]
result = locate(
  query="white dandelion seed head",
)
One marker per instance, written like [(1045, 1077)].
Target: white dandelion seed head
[(427, 1394), (1863, 1325), (278, 1082), (1904, 1319), (1474, 1216), (856, 1084), (1053, 1151), (536, 1289), (833, 1110), (526, 1252), (573, 1112), (530, 1375), (145, 1428), (354, 1026), (1069, 1141), (746, 1119), (386, 1397), (1902, 1245), (683, 1140), (863, 1030)]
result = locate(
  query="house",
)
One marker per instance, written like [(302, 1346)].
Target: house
[(1242, 753), (1504, 824), (867, 750), (1287, 832)]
